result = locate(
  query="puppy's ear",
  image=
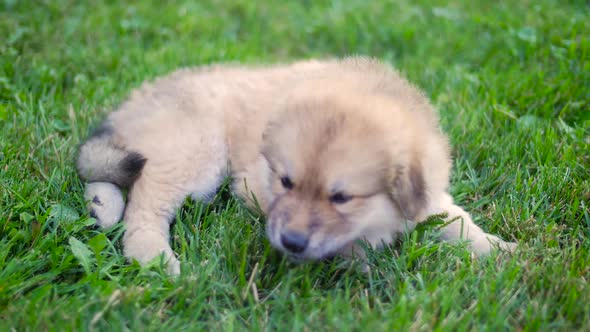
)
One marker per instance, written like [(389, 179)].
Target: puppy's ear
[(408, 190)]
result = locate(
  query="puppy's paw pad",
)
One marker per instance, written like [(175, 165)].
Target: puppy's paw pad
[(105, 203), (105, 218)]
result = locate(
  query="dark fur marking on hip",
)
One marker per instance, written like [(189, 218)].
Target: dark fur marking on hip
[(131, 167)]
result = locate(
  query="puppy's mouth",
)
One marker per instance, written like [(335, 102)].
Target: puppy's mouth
[(318, 249)]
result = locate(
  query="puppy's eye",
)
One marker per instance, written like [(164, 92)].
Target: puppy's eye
[(287, 183), (340, 198)]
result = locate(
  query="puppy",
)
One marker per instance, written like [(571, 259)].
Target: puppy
[(333, 152)]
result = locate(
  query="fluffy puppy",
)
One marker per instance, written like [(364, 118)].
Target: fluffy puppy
[(333, 152)]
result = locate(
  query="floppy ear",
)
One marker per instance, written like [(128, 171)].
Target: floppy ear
[(408, 190)]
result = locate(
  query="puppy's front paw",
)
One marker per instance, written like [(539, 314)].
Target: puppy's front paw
[(507, 246), (495, 243), (145, 245), (483, 246)]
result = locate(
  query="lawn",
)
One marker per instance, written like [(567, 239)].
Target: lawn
[(510, 79)]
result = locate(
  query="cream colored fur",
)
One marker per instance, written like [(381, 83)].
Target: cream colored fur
[(352, 127)]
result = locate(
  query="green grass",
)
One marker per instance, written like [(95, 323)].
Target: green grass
[(512, 84)]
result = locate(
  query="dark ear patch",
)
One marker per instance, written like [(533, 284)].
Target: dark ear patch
[(409, 190), (131, 167)]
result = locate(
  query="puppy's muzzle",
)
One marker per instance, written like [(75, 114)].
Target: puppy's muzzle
[(295, 242)]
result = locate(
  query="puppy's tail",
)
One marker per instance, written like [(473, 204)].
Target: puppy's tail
[(107, 167)]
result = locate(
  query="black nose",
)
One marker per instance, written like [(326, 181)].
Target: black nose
[(294, 242)]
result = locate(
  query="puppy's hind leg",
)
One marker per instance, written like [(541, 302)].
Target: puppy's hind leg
[(463, 227)]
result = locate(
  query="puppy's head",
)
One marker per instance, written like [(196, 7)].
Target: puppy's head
[(335, 179)]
